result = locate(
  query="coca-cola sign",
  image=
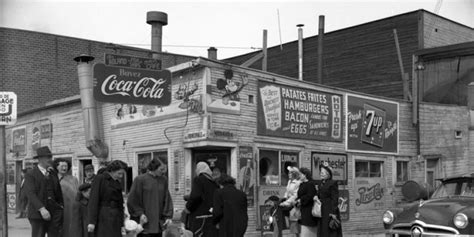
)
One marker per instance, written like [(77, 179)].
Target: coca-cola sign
[(132, 86)]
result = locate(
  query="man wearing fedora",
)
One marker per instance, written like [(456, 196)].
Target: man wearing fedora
[(45, 200)]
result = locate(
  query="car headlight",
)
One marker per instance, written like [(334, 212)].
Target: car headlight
[(388, 217), (460, 220)]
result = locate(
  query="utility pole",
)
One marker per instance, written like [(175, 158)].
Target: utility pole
[(8, 107), (3, 181)]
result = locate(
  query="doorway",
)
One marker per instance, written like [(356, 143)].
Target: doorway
[(217, 159), (82, 165)]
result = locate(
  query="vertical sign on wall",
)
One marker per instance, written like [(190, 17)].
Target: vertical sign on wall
[(19, 141), (372, 125), (246, 178), (344, 204)]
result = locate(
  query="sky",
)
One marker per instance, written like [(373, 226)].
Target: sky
[(233, 27)]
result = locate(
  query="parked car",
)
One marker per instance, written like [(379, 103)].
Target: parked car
[(449, 211)]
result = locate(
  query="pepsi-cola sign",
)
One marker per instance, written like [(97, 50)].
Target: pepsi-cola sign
[(132, 86)]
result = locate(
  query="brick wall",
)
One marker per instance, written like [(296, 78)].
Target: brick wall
[(40, 67)]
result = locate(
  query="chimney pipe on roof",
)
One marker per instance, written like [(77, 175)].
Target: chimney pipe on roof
[(300, 51), (212, 53), (320, 48), (157, 20)]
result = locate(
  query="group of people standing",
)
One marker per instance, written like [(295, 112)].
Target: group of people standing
[(215, 206), (294, 210), (59, 207)]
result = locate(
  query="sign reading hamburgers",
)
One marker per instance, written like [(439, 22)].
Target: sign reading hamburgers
[(132, 86)]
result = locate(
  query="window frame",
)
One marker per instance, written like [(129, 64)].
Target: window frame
[(408, 173), (369, 161), (280, 152)]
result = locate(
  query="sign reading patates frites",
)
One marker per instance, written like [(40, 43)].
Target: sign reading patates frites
[(124, 85)]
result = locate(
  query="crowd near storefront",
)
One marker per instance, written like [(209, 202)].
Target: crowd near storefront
[(249, 124)]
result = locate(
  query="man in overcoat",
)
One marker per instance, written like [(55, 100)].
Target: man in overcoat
[(45, 200)]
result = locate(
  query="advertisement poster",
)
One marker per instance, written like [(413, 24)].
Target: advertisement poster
[(36, 137), (132, 61), (338, 163), (46, 131), (344, 204), (267, 227), (372, 125), (224, 94), (132, 86), (292, 112), (246, 178), (369, 193), (19, 141)]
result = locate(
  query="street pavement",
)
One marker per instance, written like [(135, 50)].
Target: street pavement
[(18, 227)]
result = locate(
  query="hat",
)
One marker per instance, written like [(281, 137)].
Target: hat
[(326, 166), (273, 198), (293, 169), (89, 167), (43, 152), (84, 187)]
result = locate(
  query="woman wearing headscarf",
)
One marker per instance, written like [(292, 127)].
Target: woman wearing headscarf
[(329, 197), (69, 185), (306, 193), (105, 208), (201, 200), (291, 194)]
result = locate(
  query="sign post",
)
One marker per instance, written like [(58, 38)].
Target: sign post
[(8, 104)]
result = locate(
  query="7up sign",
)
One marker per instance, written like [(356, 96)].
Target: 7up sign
[(8, 104)]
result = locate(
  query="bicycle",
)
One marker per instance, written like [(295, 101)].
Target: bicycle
[(199, 232)]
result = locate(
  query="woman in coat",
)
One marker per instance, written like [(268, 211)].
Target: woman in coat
[(306, 193), (290, 197), (80, 218), (106, 210), (230, 208), (201, 200), (329, 197)]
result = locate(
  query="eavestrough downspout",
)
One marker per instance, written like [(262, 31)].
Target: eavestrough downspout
[(89, 109)]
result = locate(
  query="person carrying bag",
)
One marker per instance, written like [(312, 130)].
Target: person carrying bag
[(330, 224)]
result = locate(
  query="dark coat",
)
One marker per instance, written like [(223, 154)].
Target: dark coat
[(306, 193), (80, 217), (230, 211), (150, 195), (106, 210), (329, 196), (35, 190), (199, 203)]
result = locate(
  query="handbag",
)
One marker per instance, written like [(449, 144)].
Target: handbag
[(334, 223), (316, 210)]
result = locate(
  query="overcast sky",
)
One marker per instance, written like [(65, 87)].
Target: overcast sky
[(234, 27)]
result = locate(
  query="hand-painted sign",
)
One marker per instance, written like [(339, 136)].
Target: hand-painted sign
[(8, 108), (338, 163), (36, 137), (292, 112), (132, 61), (246, 178), (132, 86), (372, 125), (369, 193)]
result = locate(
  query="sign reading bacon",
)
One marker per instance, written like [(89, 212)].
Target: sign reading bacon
[(132, 86)]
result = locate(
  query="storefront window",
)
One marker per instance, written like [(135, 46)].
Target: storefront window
[(273, 166), (145, 158), (372, 169), (402, 171)]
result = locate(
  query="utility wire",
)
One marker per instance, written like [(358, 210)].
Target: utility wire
[(195, 46)]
